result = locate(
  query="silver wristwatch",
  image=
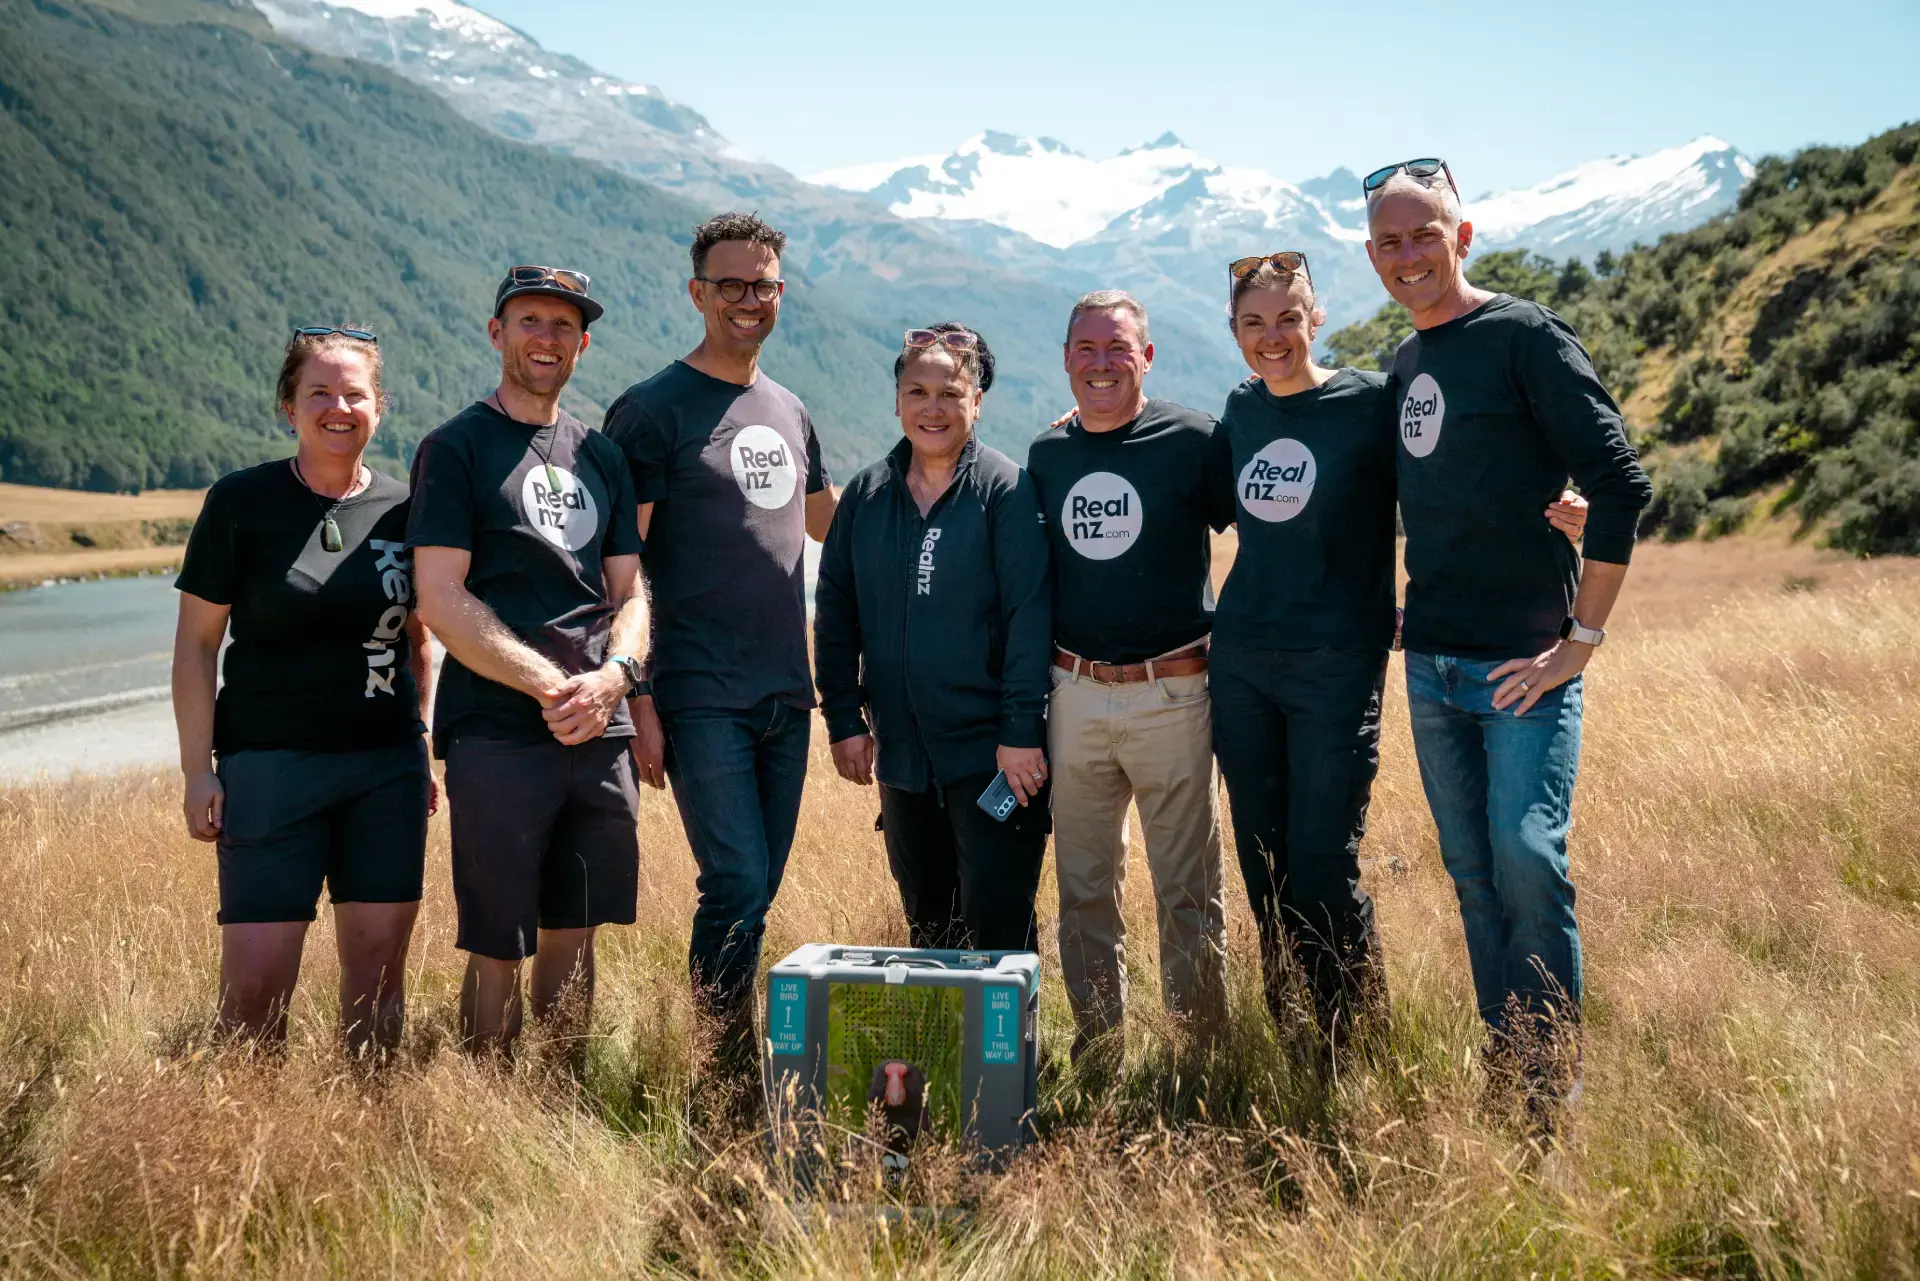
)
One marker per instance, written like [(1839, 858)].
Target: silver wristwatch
[(1570, 629)]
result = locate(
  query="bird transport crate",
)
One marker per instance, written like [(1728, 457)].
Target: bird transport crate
[(940, 1039)]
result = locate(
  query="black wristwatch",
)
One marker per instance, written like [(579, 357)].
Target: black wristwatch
[(638, 686)]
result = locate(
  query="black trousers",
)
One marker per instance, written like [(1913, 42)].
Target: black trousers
[(1297, 735), (965, 880)]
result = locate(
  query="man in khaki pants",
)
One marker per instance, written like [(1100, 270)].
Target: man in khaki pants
[(1123, 492)]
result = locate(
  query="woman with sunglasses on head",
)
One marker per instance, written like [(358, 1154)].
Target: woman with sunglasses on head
[(1300, 639), (932, 639), (317, 729)]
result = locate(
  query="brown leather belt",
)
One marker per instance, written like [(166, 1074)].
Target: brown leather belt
[(1185, 662)]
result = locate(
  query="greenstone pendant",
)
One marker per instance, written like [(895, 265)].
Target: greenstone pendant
[(330, 535), (553, 479)]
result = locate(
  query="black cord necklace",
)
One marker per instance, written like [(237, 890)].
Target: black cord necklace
[(533, 442), (330, 539)]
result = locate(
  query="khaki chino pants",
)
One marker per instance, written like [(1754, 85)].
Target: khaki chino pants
[(1151, 742)]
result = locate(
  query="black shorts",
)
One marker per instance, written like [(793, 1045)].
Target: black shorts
[(355, 821), (544, 837)]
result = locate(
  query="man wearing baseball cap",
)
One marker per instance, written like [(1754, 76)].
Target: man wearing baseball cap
[(527, 560)]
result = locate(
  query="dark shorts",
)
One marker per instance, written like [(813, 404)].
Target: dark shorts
[(353, 821), (544, 837)]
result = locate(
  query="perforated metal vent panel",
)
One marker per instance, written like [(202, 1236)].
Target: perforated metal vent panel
[(870, 1023)]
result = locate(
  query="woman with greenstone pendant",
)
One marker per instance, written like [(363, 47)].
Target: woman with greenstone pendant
[(318, 730)]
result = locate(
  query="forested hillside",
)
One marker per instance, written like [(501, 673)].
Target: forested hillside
[(173, 199), (1768, 361)]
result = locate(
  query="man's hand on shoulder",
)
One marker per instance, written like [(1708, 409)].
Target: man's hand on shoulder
[(578, 708), (1569, 515)]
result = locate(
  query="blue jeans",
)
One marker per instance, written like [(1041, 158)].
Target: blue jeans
[(1501, 790), (737, 778)]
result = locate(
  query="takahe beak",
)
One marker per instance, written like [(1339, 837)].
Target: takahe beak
[(900, 1089), (896, 1084)]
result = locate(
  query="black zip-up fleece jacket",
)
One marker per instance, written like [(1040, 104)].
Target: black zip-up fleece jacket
[(939, 627)]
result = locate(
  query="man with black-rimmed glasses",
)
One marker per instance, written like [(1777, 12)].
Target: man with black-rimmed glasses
[(727, 473)]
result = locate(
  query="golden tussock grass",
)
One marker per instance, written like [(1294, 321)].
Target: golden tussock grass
[(1747, 853)]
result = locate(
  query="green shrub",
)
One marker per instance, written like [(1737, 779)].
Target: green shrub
[(1679, 503)]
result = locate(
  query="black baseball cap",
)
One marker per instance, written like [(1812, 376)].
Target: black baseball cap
[(552, 282)]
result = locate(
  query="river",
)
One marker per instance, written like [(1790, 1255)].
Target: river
[(83, 676)]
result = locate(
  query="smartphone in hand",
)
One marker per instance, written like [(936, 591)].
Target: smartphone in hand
[(998, 800)]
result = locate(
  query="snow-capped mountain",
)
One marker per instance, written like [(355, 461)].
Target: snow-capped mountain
[(1163, 211), (1048, 192), (1051, 193), (1003, 226), (844, 251), (555, 101), (1611, 203), (1038, 187)]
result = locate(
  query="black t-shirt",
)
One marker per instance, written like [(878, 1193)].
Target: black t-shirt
[(480, 484), (1496, 409), (1127, 513), (319, 654), (729, 468), (1311, 478)]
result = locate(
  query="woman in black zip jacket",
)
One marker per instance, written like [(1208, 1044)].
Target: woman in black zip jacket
[(932, 632), (1301, 635)]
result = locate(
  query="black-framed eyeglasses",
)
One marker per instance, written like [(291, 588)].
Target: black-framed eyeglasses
[(325, 331), (952, 339), (574, 282), (733, 289), (1423, 168), (1288, 262)]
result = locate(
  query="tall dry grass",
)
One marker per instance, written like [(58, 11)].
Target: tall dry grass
[(1749, 869)]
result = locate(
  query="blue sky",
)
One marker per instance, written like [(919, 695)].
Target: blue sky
[(1509, 93)]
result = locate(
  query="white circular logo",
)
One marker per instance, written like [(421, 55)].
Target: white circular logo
[(1420, 416), (566, 517), (1277, 482), (763, 466), (1102, 516)]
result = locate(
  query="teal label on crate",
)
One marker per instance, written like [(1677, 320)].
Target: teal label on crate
[(1000, 1031), (787, 1015)]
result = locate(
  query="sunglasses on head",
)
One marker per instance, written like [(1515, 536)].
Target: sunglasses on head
[(733, 289), (1288, 262), (574, 282), (1425, 168), (324, 331), (952, 339)]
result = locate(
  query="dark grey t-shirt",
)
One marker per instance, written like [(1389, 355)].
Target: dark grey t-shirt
[(480, 484), (728, 469)]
